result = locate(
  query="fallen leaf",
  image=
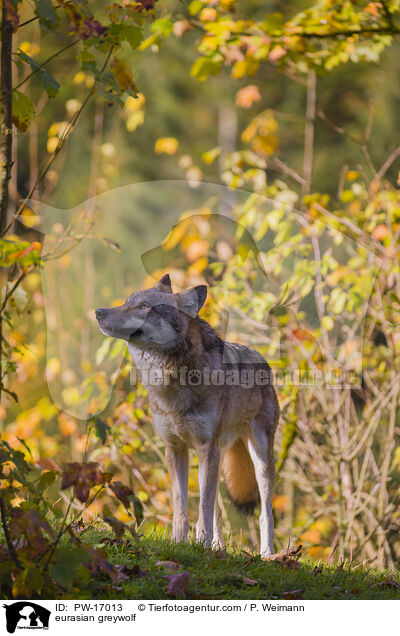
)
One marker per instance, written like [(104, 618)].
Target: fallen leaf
[(178, 583), (246, 580), (291, 564), (294, 594), (285, 554), (169, 565)]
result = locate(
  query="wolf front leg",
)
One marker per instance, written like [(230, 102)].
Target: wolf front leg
[(177, 458), (209, 458)]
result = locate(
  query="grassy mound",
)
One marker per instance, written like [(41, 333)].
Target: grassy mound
[(155, 568)]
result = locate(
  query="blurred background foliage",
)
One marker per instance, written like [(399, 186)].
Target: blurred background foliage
[(229, 92)]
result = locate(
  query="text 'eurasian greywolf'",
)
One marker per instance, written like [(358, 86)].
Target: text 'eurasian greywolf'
[(200, 397)]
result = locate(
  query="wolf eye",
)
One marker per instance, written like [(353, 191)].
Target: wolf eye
[(143, 306)]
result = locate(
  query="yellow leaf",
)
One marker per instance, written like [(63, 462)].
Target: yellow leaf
[(248, 66), (79, 78), (209, 156), (167, 145), (133, 104), (175, 236), (52, 144), (123, 75), (199, 266), (327, 323), (135, 120)]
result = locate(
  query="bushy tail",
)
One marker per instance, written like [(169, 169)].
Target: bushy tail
[(240, 479)]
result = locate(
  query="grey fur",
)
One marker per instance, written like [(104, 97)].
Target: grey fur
[(165, 334)]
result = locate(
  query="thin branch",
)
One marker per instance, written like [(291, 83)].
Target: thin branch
[(13, 288), (390, 30), (36, 17), (67, 131), (40, 67), (283, 167), (352, 227), (385, 166), (10, 546)]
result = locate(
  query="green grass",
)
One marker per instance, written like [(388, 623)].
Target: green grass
[(219, 575)]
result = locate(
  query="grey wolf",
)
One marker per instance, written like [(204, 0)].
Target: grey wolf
[(230, 425)]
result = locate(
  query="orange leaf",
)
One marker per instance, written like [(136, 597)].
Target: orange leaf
[(247, 96), (380, 232)]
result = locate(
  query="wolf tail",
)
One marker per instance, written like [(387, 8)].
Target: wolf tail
[(240, 478)]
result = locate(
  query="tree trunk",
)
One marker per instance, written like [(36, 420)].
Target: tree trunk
[(227, 138), (6, 114), (6, 137), (309, 131)]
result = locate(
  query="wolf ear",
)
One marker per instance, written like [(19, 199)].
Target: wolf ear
[(164, 284), (191, 301)]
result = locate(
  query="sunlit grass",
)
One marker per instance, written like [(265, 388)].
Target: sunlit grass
[(222, 575)]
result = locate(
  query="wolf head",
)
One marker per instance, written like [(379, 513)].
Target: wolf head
[(154, 318)]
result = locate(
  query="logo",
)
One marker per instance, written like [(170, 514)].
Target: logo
[(26, 615)]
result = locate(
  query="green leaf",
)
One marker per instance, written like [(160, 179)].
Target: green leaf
[(195, 6), (49, 82), (101, 429), (46, 13), (205, 66), (22, 110), (137, 509), (129, 32), (163, 26), (67, 564), (46, 480)]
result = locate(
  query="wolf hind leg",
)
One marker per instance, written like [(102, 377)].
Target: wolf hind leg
[(261, 448), (218, 540)]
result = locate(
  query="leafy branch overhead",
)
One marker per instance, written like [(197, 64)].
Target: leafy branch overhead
[(318, 37), (92, 36)]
